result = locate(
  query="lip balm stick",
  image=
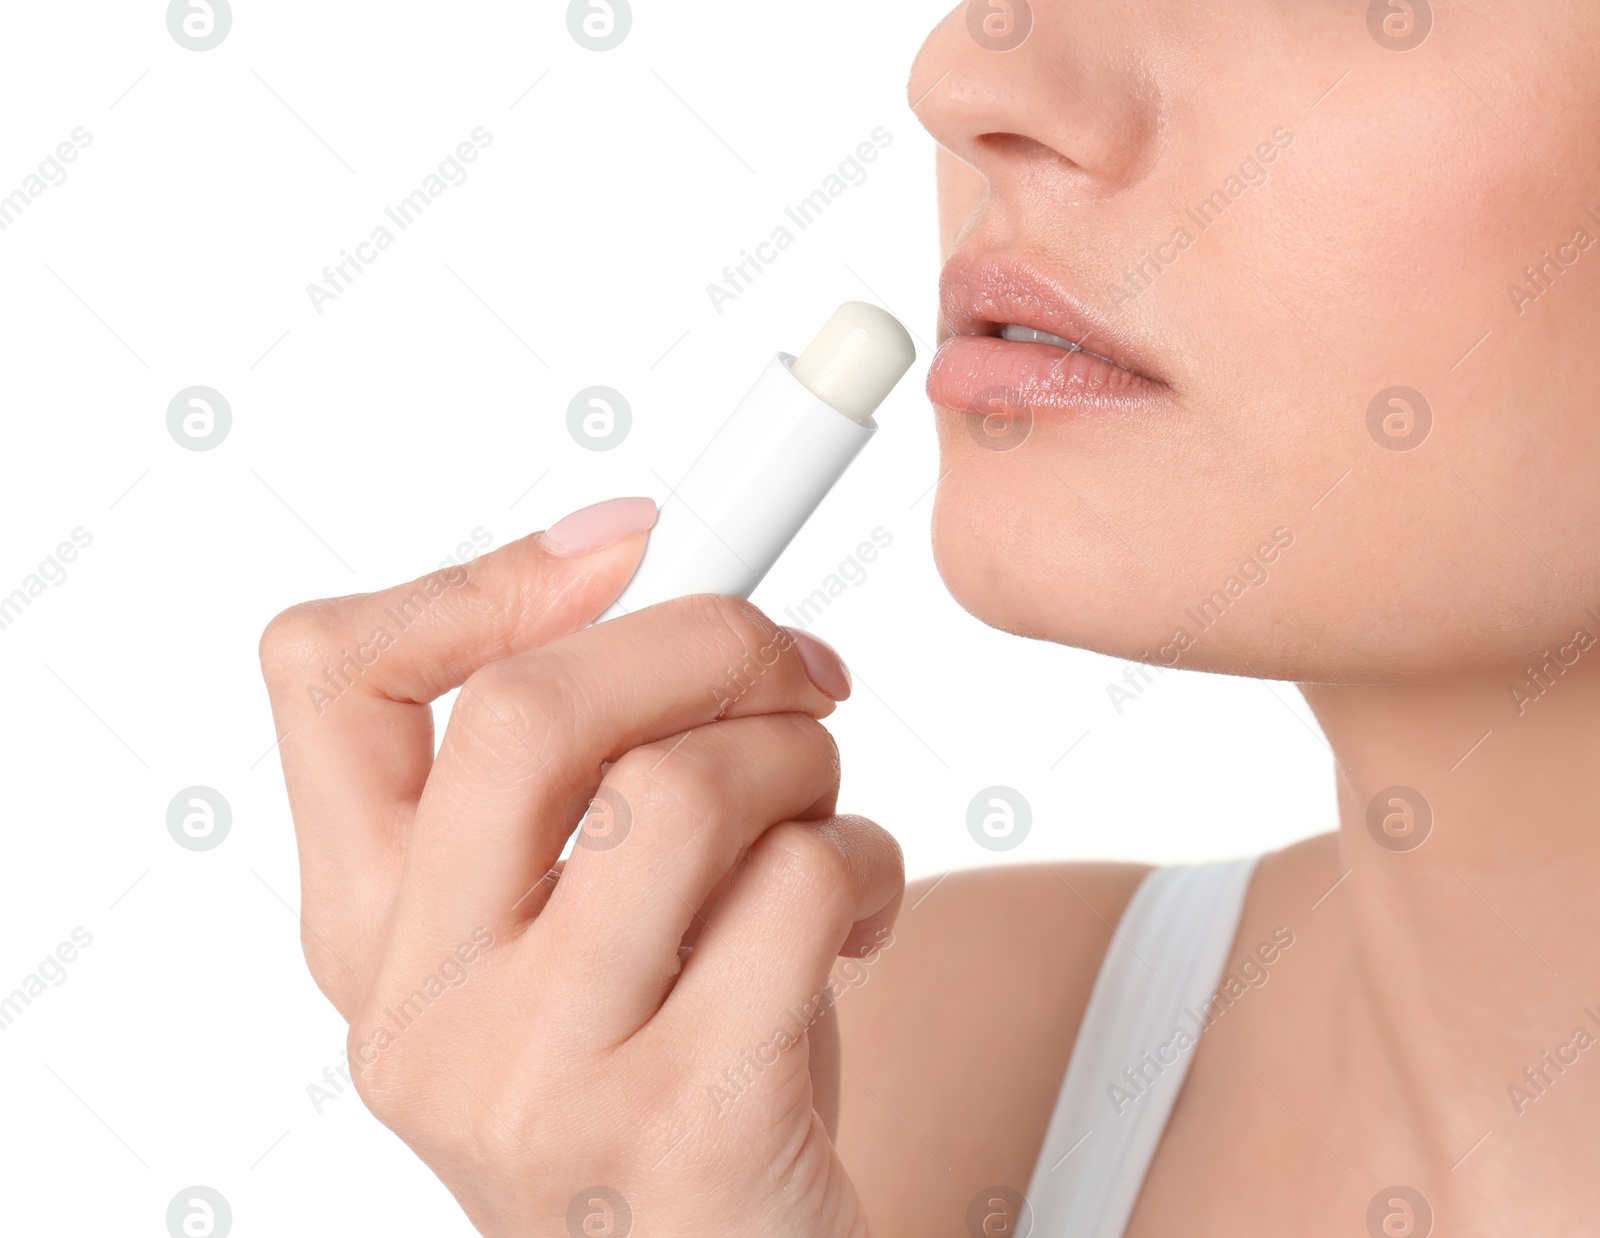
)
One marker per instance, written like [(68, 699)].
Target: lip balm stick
[(773, 461)]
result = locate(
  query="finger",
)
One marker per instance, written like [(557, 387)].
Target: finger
[(523, 751), (682, 812), (825, 1058), (350, 679), (807, 894)]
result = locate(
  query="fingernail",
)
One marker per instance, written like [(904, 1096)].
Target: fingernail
[(824, 667), (594, 528)]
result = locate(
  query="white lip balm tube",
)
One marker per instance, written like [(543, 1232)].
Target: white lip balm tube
[(772, 462)]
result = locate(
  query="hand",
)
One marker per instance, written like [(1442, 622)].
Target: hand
[(620, 1043)]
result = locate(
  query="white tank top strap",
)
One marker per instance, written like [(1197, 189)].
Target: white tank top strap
[(1150, 1002)]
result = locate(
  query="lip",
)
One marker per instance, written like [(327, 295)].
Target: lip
[(976, 371)]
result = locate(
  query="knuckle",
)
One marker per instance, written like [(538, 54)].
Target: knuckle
[(402, 1075), (495, 688), (504, 1131), (506, 710), (729, 616), (820, 740), (881, 850), (324, 965), (741, 637), (671, 779), (495, 598), (383, 1077), (809, 750), (295, 639), (806, 859)]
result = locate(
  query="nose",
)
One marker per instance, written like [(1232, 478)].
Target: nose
[(1022, 90)]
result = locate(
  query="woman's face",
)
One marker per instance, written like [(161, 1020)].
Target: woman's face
[(1347, 427)]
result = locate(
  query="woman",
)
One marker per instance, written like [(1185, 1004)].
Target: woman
[(1268, 348)]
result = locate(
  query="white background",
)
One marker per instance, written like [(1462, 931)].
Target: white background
[(368, 441)]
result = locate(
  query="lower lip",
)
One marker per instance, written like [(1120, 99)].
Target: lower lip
[(993, 377)]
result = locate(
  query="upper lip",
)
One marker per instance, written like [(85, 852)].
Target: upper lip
[(979, 295)]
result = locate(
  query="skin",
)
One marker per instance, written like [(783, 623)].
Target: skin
[(1417, 588), (1411, 602)]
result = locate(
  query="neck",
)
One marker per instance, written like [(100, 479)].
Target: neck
[(1468, 785), (1470, 836)]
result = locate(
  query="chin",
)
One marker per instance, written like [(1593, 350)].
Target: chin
[(1024, 558), (1019, 561), (1020, 553)]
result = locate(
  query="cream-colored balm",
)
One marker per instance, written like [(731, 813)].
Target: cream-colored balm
[(773, 461), (856, 360)]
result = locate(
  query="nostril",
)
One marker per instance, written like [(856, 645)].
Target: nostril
[(1019, 146)]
